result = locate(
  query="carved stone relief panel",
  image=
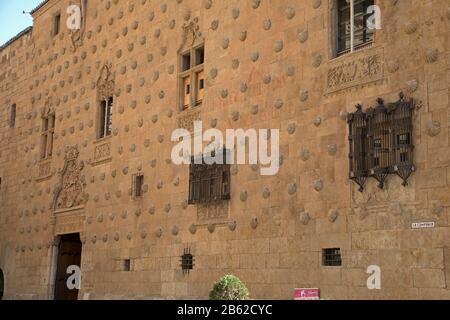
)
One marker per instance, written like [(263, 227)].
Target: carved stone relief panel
[(213, 212), (69, 192), (187, 118), (355, 69)]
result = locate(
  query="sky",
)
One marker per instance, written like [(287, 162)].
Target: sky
[(12, 20)]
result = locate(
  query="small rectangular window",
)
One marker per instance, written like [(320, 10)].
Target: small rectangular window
[(138, 183), (48, 131), (403, 139), (126, 265), (56, 24), (331, 257), (200, 87), (105, 118), (186, 62), (12, 116), (187, 261), (199, 56)]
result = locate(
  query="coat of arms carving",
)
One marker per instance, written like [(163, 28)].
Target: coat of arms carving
[(69, 192)]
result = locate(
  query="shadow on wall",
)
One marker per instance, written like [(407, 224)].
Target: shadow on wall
[(2, 284)]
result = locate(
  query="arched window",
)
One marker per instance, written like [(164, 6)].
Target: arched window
[(2, 284)]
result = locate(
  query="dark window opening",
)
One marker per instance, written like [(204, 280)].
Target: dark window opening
[(127, 265), (331, 257), (202, 84), (403, 139), (138, 184), (186, 62), (199, 56), (187, 261), (56, 24), (12, 116), (105, 121)]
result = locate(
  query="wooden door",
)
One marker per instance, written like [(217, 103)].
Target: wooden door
[(69, 254)]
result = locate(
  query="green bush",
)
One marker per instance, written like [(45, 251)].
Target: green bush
[(229, 288)]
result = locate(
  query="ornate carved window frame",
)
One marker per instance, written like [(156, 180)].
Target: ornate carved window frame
[(105, 93), (192, 43), (47, 133)]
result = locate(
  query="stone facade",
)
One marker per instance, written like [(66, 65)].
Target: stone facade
[(268, 64)]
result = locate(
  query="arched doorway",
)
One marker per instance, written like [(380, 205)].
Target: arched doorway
[(2, 284)]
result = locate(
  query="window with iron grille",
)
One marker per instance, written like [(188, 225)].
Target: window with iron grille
[(381, 142), (361, 34), (187, 261), (209, 182), (48, 130), (331, 257)]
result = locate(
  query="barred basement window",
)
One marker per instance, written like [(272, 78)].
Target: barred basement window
[(105, 118), (48, 130), (381, 142), (353, 31), (209, 182), (331, 257), (187, 261)]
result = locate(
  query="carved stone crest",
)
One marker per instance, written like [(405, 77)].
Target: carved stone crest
[(69, 192), (191, 35), (105, 82), (77, 35)]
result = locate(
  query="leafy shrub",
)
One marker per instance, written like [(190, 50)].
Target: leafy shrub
[(229, 288)]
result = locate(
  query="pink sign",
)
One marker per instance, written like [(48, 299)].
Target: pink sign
[(307, 294)]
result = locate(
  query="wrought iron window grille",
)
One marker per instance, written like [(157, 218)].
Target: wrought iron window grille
[(381, 142), (187, 261), (209, 182)]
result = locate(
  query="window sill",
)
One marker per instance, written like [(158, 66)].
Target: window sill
[(366, 46), (101, 140)]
